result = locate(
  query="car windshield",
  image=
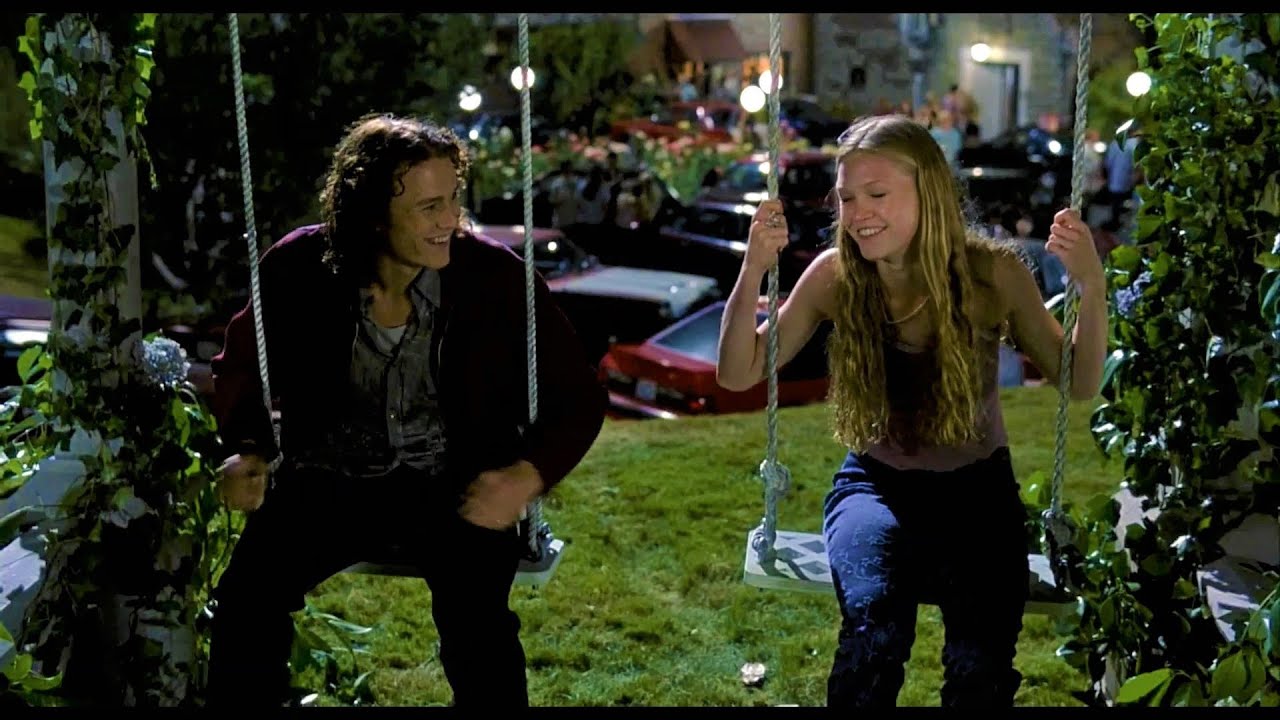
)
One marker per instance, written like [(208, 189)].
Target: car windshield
[(808, 181), (714, 222), (800, 181), (746, 177), (803, 110), (557, 257), (699, 337)]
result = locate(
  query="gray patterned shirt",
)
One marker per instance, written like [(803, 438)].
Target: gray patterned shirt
[(392, 414)]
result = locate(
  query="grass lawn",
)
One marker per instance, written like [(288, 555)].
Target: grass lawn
[(21, 274), (648, 606)]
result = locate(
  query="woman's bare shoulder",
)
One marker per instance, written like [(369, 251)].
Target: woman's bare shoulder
[(819, 282)]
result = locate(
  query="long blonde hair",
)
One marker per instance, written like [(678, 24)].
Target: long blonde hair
[(942, 249)]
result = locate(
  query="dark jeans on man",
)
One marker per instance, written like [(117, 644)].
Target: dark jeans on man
[(955, 539), (313, 525)]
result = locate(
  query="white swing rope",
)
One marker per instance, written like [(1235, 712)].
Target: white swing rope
[(251, 229), (776, 476), (1059, 531), (533, 513)]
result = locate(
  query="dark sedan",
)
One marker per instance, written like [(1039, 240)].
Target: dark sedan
[(710, 238)]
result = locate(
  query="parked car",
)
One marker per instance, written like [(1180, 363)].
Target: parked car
[(804, 178), (611, 243), (673, 373), (607, 303), (708, 121), (1025, 167), (710, 238), (809, 120), (23, 322)]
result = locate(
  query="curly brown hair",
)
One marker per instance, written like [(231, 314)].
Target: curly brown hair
[(367, 170), (954, 261)]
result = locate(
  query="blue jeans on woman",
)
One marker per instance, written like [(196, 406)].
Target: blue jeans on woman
[(898, 538)]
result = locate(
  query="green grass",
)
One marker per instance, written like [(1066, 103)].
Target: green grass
[(648, 606), (21, 274)]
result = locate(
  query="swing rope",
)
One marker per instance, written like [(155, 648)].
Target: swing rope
[(776, 477), (1058, 526), (251, 229), (534, 511)]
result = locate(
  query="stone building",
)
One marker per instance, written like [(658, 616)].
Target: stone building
[(853, 62), (865, 61)]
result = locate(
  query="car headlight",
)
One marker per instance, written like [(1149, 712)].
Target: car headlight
[(18, 336)]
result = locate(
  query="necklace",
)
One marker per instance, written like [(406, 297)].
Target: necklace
[(889, 319)]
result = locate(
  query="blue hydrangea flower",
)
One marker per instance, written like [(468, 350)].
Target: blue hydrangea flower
[(164, 362), (1127, 297)]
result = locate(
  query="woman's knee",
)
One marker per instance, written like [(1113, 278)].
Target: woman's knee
[(864, 547)]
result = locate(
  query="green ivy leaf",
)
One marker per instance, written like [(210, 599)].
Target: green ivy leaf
[(39, 683), (1188, 694), (1125, 258), (1147, 224), (1271, 645), (1140, 686), (1269, 289), (1269, 202), (19, 668), (1156, 564), (1161, 266), (1268, 260), (27, 362), (1183, 589), (1230, 677), (1255, 674)]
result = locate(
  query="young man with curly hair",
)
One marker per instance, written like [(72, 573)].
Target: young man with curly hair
[(397, 357)]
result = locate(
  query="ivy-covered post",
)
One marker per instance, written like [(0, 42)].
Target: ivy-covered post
[(117, 253), (126, 573)]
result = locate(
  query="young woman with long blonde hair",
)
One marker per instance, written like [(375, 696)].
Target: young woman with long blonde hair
[(925, 507)]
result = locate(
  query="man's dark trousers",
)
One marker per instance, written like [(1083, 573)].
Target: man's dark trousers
[(314, 524)]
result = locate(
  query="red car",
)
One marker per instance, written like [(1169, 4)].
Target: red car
[(673, 373), (710, 121)]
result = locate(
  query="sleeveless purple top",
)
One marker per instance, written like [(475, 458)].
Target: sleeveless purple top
[(905, 367)]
